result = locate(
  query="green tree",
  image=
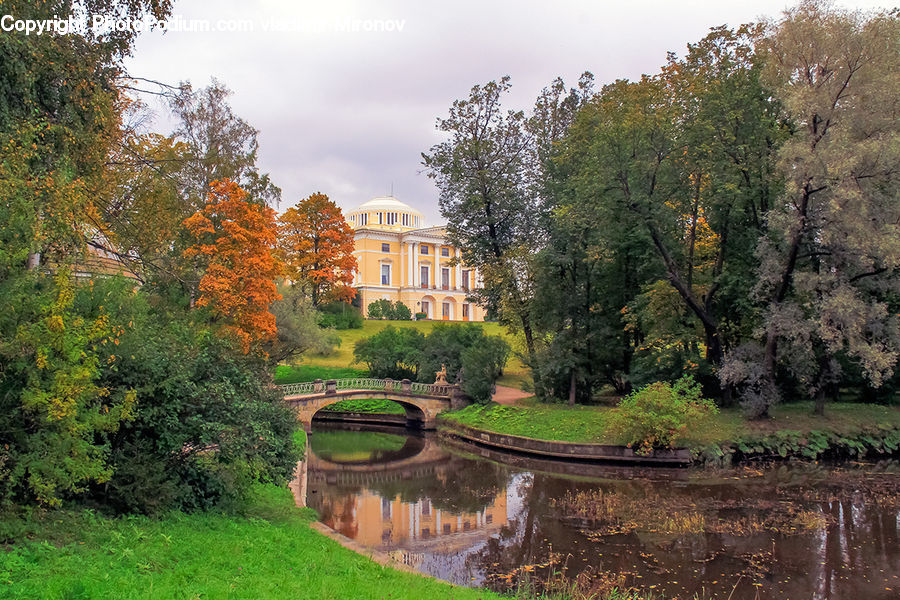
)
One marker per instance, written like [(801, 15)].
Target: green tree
[(828, 273), (220, 145), (380, 309), (392, 352), (298, 330), (401, 312), (482, 364), (484, 173), (53, 408)]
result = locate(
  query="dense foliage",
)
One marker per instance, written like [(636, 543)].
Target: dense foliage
[(340, 315), (391, 311), (151, 392), (732, 217), (659, 415), (468, 355)]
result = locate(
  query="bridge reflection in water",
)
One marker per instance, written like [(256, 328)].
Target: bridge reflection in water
[(416, 502)]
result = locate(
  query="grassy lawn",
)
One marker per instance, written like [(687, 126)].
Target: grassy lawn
[(340, 363), (268, 553), (589, 423)]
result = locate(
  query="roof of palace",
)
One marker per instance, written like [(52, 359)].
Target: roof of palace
[(386, 203)]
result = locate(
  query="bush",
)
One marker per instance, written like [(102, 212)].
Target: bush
[(482, 364), (420, 316), (340, 315), (207, 423), (392, 352), (384, 309), (657, 415), (402, 312)]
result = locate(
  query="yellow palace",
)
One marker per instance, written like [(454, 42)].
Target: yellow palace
[(400, 260)]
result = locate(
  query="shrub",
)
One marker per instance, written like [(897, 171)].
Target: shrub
[(392, 352), (384, 309), (482, 364), (376, 309), (420, 316), (207, 424), (657, 415), (401, 312), (340, 315)]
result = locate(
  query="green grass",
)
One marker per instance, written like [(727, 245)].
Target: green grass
[(341, 360), (310, 372), (378, 406), (590, 423), (268, 553), (539, 421)]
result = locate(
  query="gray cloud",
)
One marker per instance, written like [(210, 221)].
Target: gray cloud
[(348, 113)]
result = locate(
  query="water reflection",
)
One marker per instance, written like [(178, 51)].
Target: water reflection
[(798, 531)]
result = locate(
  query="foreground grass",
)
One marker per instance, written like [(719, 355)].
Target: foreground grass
[(341, 360), (590, 424), (268, 553)]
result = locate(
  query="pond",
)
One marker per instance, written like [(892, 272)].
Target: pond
[(474, 516)]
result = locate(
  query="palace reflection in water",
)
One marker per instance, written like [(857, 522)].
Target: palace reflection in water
[(788, 531)]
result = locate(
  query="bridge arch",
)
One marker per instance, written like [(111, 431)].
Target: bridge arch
[(415, 415), (422, 402)]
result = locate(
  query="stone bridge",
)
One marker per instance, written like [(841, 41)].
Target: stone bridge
[(421, 401)]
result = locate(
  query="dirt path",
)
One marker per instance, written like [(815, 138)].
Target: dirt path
[(508, 395)]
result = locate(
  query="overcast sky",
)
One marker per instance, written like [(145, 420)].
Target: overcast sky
[(348, 112)]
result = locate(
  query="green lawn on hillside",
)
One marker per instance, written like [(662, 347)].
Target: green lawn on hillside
[(269, 553), (340, 363)]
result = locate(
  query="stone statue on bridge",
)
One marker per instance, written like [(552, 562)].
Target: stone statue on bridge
[(440, 377)]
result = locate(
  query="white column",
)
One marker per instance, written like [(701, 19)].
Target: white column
[(437, 525), (409, 264), (458, 269), (415, 251)]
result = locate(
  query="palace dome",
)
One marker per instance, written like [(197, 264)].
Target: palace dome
[(386, 203), (385, 212)]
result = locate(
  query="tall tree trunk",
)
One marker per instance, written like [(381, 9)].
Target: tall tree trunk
[(784, 284)]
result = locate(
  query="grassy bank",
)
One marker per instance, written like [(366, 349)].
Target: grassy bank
[(268, 553), (590, 423), (340, 363)]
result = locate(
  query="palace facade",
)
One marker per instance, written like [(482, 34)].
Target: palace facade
[(400, 260)]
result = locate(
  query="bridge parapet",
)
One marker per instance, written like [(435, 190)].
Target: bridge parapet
[(367, 383)]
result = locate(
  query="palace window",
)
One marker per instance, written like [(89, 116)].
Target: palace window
[(465, 311), (445, 310), (405, 219), (385, 274), (385, 247), (445, 251), (425, 308), (364, 219), (465, 280), (445, 278), (424, 249), (423, 275)]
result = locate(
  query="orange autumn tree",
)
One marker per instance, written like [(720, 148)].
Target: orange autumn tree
[(237, 241), (316, 245)]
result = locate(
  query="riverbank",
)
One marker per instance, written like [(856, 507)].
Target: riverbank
[(847, 430), (268, 551)]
